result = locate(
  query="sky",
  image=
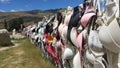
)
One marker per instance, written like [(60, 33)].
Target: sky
[(26, 5)]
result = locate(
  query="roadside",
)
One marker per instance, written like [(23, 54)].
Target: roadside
[(23, 55)]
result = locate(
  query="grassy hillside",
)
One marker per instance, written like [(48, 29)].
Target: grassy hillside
[(28, 16)]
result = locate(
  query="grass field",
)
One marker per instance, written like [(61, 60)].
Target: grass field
[(26, 55)]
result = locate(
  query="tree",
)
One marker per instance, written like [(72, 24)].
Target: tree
[(5, 24), (20, 23), (15, 24), (20, 20)]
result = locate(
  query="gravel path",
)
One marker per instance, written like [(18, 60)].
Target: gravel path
[(5, 48)]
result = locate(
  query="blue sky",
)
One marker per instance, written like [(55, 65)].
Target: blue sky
[(25, 5)]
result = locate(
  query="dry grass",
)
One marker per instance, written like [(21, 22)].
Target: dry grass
[(24, 56)]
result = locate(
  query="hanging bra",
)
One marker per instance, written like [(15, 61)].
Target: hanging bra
[(86, 17)]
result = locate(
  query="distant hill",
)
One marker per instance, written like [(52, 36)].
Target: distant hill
[(28, 16)]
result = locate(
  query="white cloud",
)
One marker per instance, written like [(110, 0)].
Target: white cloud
[(13, 10), (2, 10), (4, 1)]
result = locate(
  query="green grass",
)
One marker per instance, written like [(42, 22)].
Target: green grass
[(24, 56)]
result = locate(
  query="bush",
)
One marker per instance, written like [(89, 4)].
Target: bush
[(15, 24)]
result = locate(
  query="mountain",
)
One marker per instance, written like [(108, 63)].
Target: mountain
[(28, 17)]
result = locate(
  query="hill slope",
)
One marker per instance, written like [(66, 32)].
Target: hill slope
[(27, 16)]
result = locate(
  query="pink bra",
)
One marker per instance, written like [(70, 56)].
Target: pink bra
[(88, 14), (79, 42)]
